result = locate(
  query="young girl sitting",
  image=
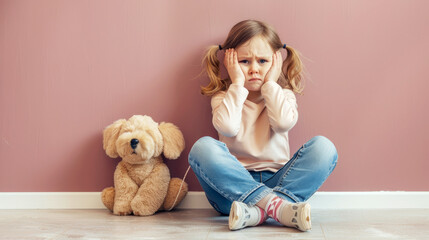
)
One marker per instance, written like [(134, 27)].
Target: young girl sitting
[(249, 173)]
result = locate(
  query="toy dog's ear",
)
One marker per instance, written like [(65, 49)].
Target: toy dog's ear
[(174, 143), (110, 135)]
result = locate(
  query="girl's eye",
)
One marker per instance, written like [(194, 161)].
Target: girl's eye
[(244, 61), (263, 61)]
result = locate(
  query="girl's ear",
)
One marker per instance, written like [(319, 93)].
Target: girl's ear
[(174, 143), (110, 135)]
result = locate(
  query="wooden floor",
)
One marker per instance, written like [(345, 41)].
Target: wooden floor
[(207, 224)]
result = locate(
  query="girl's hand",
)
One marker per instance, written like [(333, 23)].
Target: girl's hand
[(234, 71), (276, 68)]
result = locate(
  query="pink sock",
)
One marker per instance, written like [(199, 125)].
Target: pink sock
[(289, 214), (273, 206), (262, 215)]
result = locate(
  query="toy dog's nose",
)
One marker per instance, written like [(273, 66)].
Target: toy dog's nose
[(134, 143)]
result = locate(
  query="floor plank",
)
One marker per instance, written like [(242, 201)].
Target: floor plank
[(207, 224)]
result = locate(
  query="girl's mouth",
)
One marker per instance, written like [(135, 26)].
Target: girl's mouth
[(254, 79)]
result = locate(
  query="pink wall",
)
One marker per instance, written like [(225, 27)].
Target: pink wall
[(70, 68)]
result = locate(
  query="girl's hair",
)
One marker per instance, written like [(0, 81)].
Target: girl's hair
[(242, 32)]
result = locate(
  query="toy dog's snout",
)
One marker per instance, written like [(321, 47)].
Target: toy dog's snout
[(134, 143)]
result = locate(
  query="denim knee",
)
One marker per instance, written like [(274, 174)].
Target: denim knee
[(325, 151), (202, 148)]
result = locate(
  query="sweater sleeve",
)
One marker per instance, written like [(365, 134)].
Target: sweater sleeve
[(227, 110), (281, 105)]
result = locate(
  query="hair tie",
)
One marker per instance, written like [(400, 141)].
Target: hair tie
[(220, 47), (284, 46)]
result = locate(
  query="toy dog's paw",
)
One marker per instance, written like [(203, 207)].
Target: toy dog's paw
[(143, 212), (141, 208), (138, 213), (122, 210), (122, 213)]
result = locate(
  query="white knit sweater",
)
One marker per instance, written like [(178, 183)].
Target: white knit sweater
[(256, 133)]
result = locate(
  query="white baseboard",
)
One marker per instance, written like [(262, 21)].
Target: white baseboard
[(197, 200)]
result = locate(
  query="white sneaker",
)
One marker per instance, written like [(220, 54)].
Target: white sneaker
[(297, 215), (241, 216)]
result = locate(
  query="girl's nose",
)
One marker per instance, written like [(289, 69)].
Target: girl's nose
[(254, 68)]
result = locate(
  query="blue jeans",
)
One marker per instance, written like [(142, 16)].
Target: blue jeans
[(225, 180)]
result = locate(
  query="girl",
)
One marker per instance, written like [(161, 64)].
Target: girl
[(248, 173)]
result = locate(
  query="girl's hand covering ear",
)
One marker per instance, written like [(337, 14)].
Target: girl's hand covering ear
[(234, 71), (276, 68)]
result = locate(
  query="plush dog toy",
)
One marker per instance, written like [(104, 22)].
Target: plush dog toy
[(142, 181)]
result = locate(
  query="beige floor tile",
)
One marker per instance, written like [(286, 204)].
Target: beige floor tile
[(376, 231), (207, 224), (376, 224)]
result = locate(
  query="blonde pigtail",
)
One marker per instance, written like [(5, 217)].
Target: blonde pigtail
[(292, 70), (212, 66)]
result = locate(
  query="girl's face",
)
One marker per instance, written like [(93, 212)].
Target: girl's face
[(255, 59)]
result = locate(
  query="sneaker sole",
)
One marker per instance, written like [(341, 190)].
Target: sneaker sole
[(305, 217), (234, 215)]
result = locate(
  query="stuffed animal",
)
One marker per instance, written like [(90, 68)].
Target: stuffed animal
[(142, 181)]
